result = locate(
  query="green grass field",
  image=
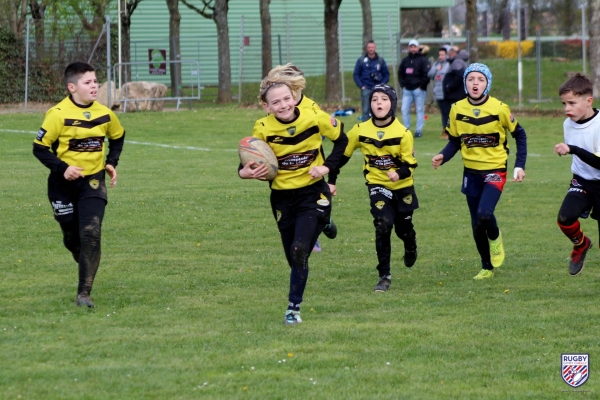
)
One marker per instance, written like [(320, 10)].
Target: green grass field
[(193, 283)]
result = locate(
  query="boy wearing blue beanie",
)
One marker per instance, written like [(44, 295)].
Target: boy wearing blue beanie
[(478, 127)]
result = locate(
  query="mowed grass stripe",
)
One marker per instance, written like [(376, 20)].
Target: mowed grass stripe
[(193, 284)]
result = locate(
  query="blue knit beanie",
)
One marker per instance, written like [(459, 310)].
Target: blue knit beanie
[(478, 67)]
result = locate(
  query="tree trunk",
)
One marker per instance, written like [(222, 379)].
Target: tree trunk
[(471, 28), (594, 29), (125, 44), (498, 18), (174, 45), (367, 21), (266, 45), (37, 14), (332, 73), (220, 18), (18, 12)]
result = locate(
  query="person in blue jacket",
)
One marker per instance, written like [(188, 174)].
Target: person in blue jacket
[(370, 70)]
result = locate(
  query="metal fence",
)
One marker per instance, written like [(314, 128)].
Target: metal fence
[(302, 45)]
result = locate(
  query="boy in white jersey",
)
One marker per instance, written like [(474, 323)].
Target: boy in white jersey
[(582, 141)]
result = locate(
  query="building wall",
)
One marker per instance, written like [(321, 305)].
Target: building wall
[(297, 29)]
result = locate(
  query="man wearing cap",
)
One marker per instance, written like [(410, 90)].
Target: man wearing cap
[(370, 70), (412, 75)]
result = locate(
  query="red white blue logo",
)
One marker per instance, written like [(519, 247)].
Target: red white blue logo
[(575, 369)]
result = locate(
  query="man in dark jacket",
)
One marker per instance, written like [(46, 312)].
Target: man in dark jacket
[(413, 78), (454, 89), (370, 70)]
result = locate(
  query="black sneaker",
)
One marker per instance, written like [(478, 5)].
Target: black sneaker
[(384, 283), (410, 258), (330, 230), (578, 256), (83, 299)]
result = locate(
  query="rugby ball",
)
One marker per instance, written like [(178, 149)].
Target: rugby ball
[(254, 149)]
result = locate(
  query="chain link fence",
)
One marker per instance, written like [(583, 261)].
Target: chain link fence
[(293, 39)]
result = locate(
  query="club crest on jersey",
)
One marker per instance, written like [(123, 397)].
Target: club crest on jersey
[(407, 199), (380, 204), (323, 201), (334, 122), (575, 369), (380, 134), (94, 183), (291, 130), (512, 119), (575, 183), (476, 112), (277, 215), (87, 114)]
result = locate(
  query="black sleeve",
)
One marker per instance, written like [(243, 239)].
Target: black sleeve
[(452, 147), (521, 139), (115, 147), (333, 173), (339, 146), (49, 159), (587, 157)]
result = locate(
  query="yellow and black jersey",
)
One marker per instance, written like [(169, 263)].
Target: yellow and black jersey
[(297, 144), (308, 104), (481, 129), (387, 148), (76, 133)]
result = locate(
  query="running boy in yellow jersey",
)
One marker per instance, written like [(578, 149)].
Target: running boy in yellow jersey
[(71, 144), (300, 198), (295, 78), (387, 149), (478, 127)]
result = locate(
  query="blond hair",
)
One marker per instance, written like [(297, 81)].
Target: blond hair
[(288, 75)]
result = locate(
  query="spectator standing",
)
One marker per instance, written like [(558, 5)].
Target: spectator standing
[(412, 75), (370, 70), (436, 73), (453, 80)]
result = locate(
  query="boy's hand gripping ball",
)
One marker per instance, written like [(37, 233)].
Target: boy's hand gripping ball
[(254, 149)]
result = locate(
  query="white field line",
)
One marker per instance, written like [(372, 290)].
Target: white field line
[(168, 146)]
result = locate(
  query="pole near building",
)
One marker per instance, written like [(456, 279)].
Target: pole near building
[(583, 29), (519, 64)]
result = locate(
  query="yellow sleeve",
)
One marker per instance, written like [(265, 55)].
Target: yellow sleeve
[(508, 120), (259, 129), (352, 140), (329, 126), (50, 129), (115, 129)]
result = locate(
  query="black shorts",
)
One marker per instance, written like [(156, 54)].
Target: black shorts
[(313, 199), (589, 191), (401, 200), (64, 194)]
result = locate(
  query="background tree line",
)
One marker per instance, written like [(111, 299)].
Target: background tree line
[(494, 17)]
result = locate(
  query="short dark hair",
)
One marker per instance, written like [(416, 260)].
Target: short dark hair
[(578, 84), (443, 49), (74, 71), (369, 42)]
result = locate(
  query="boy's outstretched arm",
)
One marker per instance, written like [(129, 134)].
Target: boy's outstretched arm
[(521, 140), (452, 147), (587, 157)]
